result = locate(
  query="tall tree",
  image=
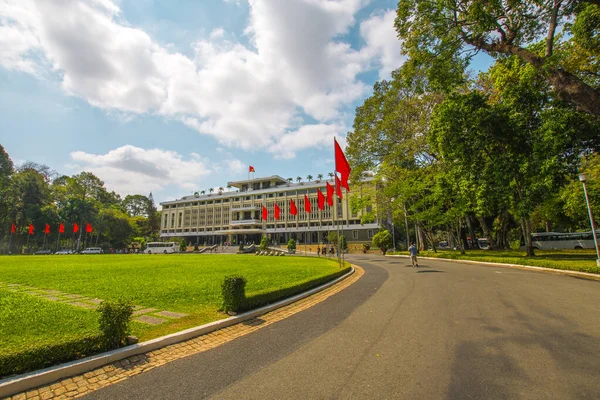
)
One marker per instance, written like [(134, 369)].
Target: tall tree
[(444, 35)]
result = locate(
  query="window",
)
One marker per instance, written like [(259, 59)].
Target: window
[(196, 203), (354, 234), (370, 233), (166, 217), (179, 220), (172, 220)]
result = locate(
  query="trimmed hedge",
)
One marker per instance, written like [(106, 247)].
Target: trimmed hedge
[(233, 293), (38, 357), (262, 299)]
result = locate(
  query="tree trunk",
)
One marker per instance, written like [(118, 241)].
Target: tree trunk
[(463, 236), (526, 228), (501, 233), (456, 236), (486, 231), (471, 231)]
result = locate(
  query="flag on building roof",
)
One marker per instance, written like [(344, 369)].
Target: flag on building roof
[(47, 229), (61, 228), (306, 204), (330, 194), (277, 211), (265, 213), (75, 228), (338, 188), (31, 229), (251, 169), (321, 200), (293, 209), (13, 228), (88, 227), (341, 165)]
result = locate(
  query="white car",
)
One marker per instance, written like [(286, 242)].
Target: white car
[(92, 250), (64, 252)]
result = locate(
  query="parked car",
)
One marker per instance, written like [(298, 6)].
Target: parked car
[(92, 250), (64, 251), (43, 252)]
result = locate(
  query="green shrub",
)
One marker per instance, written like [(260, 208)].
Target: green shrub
[(37, 357), (343, 243), (291, 244), (383, 240), (114, 321), (233, 290), (264, 243), (261, 299), (366, 247), (241, 247), (183, 245)]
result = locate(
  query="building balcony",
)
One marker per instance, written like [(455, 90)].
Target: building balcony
[(251, 221), (244, 208)]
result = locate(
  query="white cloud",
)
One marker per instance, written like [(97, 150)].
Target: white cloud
[(382, 42), (248, 97), (129, 169)]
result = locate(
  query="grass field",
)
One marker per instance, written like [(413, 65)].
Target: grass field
[(575, 260), (189, 284)]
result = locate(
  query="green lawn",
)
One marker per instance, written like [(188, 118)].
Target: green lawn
[(575, 260), (189, 284)]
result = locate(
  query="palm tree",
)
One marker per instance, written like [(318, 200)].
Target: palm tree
[(330, 175), (290, 180), (309, 177), (203, 192), (211, 190), (221, 190), (229, 187), (319, 176), (299, 179), (195, 194)]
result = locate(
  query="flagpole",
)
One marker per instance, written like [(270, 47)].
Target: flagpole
[(307, 215), (58, 241), (10, 242), (28, 235)]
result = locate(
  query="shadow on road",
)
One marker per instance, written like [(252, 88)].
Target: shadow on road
[(428, 270)]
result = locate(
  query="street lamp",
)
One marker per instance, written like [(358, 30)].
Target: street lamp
[(393, 228), (583, 178)]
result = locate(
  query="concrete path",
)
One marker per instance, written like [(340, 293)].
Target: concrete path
[(443, 331)]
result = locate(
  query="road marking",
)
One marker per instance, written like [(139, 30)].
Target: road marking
[(498, 272)]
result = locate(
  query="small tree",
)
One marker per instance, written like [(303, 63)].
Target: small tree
[(299, 179), (343, 243), (383, 240), (264, 243), (319, 177), (183, 245), (309, 178), (332, 238), (291, 245)]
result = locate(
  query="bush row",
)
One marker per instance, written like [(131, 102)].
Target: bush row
[(37, 357), (114, 322), (234, 298)]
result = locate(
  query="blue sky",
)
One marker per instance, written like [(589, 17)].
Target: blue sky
[(179, 96)]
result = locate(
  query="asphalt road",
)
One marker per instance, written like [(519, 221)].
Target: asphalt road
[(443, 331)]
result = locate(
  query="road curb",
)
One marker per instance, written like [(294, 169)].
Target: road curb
[(25, 382), (577, 274)]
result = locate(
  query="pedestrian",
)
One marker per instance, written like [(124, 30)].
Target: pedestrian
[(318, 251), (412, 250)]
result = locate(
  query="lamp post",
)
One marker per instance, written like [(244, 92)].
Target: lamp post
[(583, 178), (393, 228)]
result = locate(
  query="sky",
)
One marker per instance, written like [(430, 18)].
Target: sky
[(177, 96)]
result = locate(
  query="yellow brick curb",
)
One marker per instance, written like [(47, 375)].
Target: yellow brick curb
[(80, 385)]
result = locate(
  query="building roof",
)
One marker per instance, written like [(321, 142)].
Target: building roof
[(276, 178)]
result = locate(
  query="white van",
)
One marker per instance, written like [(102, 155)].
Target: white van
[(92, 250)]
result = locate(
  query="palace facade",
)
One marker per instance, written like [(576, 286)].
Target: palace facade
[(236, 216)]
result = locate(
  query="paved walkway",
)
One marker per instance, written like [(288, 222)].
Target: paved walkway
[(118, 371), (145, 315)]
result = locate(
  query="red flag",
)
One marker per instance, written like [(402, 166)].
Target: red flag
[(75, 228), (265, 213), (88, 227), (306, 204), (341, 165), (277, 211), (293, 209), (30, 229), (61, 228), (47, 229), (251, 169), (13, 228), (338, 189), (330, 194), (321, 200)]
